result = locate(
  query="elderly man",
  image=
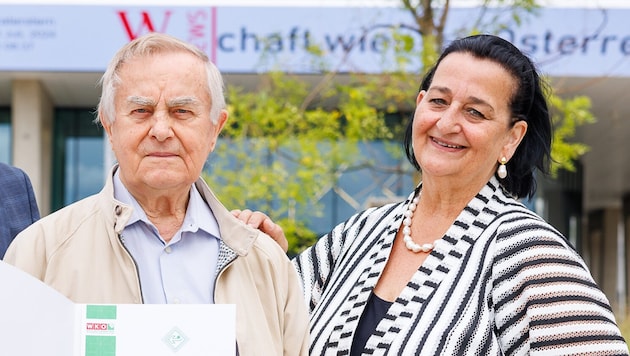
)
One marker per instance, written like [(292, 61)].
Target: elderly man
[(19, 207), (156, 233)]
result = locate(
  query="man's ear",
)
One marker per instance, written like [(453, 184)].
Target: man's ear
[(223, 117), (106, 125)]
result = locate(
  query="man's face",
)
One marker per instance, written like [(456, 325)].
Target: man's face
[(162, 133)]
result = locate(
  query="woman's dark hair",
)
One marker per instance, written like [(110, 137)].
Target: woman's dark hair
[(528, 103)]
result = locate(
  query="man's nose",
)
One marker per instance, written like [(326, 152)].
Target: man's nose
[(162, 126)]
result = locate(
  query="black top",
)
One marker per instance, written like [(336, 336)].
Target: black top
[(374, 311)]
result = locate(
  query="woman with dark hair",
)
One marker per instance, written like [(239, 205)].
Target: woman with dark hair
[(461, 267), (528, 103)]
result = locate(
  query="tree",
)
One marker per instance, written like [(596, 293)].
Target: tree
[(290, 141), (281, 156)]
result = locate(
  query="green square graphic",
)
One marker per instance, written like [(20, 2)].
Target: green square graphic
[(100, 312), (100, 345)]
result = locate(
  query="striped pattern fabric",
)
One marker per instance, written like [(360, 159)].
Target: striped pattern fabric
[(500, 282)]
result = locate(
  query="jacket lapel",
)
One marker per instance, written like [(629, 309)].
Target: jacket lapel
[(418, 299)]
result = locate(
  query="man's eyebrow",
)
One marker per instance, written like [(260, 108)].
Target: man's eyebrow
[(140, 100), (182, 101)]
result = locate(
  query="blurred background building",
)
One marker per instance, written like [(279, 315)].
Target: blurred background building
[(52, 55)]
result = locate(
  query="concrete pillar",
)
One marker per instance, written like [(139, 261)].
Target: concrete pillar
[(602, 253), (31, 119)]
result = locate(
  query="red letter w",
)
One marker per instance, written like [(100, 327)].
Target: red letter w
[(146, 24)]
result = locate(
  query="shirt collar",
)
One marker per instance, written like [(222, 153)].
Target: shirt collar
[(198, 213)]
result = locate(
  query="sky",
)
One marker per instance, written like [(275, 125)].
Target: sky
[(557, 3)]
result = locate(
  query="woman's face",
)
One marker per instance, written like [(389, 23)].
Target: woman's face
[(461, 125)]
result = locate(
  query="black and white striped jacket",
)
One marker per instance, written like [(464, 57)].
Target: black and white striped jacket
[(500, 282)]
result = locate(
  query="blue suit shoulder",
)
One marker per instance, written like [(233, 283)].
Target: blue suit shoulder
[(19, 207)]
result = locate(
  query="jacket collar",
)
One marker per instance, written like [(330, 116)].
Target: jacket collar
[(234, 233)]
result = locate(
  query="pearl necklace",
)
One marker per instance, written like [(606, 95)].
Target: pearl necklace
[(409, 243)]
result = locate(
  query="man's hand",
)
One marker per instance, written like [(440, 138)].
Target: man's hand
[(262, 222)]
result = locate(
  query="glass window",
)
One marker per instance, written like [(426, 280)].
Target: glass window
[(387, 178), (78, 166)]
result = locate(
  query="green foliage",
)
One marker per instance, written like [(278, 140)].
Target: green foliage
[(513, 11), (281, 158), (298, 235), (624, 325), (287, 142), (568, 115)]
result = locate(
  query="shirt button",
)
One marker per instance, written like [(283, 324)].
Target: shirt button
[(176, 301), (168, 249)]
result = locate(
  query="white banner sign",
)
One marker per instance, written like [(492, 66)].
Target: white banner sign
[(564, 42)]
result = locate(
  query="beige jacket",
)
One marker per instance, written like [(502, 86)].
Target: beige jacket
[(77, 250)]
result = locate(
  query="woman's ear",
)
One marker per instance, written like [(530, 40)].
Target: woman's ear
[(421, 95), (515, 136)]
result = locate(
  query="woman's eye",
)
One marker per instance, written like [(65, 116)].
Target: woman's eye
[(476, 113)]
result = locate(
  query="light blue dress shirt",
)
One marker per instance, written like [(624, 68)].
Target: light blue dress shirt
[(183, 270)]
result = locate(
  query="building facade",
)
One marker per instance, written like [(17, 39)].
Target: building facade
[(51, 57)]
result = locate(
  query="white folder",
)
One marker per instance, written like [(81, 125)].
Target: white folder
[(37, 320)]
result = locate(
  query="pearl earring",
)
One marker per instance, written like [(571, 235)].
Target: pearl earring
[(502, 170)]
